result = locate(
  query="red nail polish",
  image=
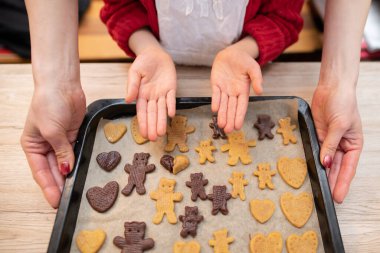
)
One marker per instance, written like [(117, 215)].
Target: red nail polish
[(64, 168), (327, 161)]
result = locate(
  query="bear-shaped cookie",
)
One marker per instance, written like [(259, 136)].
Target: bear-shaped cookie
[(177, 134), (238, 148), (133, 241)]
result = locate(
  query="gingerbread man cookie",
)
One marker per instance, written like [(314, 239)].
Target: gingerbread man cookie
[(165, 198), (197, 185), (137, 172), (238, 183), (205, 150), (177, 133), (264, 173), (218, 132), (187, 247), (133, 240), (219, 198), (190, 221), (221, 242), (264, 124), (286, 129), (238, 148)]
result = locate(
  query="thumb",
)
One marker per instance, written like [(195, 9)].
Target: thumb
[(63, 150), (254, 73), (330, 145), (133, 85)]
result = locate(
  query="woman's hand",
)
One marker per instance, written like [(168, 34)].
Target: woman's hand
[(152, 83), (233, 70), (339, 129), (51, 128)]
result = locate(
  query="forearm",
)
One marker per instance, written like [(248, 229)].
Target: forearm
[(248, 45), (54, 39), (142, 40), (344, 24)]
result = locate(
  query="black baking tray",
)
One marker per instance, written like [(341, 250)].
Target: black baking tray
[(65, 222)]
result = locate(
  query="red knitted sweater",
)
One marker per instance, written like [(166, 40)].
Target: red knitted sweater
[(274, 24)]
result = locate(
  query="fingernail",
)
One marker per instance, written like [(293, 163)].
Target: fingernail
[(64, 168), (327, 161)]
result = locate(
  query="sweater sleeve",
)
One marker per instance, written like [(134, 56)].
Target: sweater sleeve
[(275, 26), (122, 18)]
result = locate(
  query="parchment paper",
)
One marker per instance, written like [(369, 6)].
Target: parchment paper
[(239, 221)]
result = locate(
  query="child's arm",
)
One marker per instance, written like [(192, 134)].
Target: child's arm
[(58, 104), (334, 105)]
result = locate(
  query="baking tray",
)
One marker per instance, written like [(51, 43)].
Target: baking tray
[(66, 217)]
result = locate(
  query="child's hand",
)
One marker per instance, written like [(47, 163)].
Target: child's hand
[(232, 73), (339, 129), (51, 128), (152, 82)]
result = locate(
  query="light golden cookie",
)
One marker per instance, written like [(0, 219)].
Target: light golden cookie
[(238, 184), (286, 129), (238, 148), (266, 244), (90, 241), (165, 198), (262, 210), (187, 247), (136, 132), (292, 171), (221, 242), (297, 209), (265, 174), (114, 131), (177, 133), (306, 243), (205, 150)]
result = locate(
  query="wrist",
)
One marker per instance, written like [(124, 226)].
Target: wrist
[(247, 45)]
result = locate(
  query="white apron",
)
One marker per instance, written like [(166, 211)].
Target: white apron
[(194, 31)]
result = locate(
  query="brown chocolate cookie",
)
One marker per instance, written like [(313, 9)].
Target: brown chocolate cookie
[(133, 240), (218, 132), (102, 199), (190, 221), (167, 161), (219, 198), (197, 185), (137, 171), (108, 161), (264, 124)]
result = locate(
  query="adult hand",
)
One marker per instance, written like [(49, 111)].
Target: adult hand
[(152, 82), (339, 129), (232, 73), (51, 128)]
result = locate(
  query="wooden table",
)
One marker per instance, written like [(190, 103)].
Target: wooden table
[(26, 220)]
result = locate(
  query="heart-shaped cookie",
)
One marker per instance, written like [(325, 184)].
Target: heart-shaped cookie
[(102, 199), (306, 243), (262, 210), (114, 131), (292, 171), (297, 209), (108, 161), (136, 132), (187, 247), (266, 244), (90, 241)]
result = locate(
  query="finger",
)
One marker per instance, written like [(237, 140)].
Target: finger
[(141, 108), (241, 110), (57, 138), (346, 174), (222, 113), (334, 171), (329, 146), (215, 100), (256, 77), (231, 113), (152, 120), (133, 85), (170, 103), (161, 116), (44, 178), (53, 164)]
